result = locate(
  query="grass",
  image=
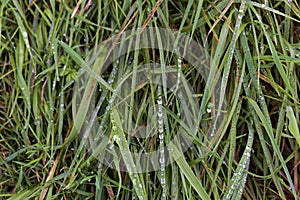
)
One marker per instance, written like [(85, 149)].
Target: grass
[(48, 48)]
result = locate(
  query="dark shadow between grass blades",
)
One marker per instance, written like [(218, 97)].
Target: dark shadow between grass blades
[(97, 137)]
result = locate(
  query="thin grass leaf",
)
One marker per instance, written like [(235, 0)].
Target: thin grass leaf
[(293, 125), (188, 173), (121, 140), (274, 54), (268, 129)]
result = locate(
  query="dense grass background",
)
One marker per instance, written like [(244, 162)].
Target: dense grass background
[(255, 47)]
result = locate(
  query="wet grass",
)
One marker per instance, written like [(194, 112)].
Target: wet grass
[(45, 48)]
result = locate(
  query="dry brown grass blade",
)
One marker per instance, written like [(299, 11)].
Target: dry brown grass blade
[(151, 15), (50, 176), (218, 20), (76, 9)]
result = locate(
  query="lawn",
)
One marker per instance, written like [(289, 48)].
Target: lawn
[(165, 99)]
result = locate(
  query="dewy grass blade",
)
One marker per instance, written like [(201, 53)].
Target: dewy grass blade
[(23, 32), (234, 102), (161, 135), (252, 70), (89, 89), (229, 60), (121, 140), (213, 72), (232, 133), (92, 72), (40, 74), (263, 6), (263, 144), (264, 114), (238, 180)]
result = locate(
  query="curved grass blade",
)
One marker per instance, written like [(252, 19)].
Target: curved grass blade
[(293, 125)]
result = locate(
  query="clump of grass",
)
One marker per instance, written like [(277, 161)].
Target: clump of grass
[(45, 46)]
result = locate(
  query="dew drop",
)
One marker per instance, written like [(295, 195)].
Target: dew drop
[(208, 110), (24, 33), (162, 160), (159, 114), (160, 121), (161, 136), (160, 130)]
